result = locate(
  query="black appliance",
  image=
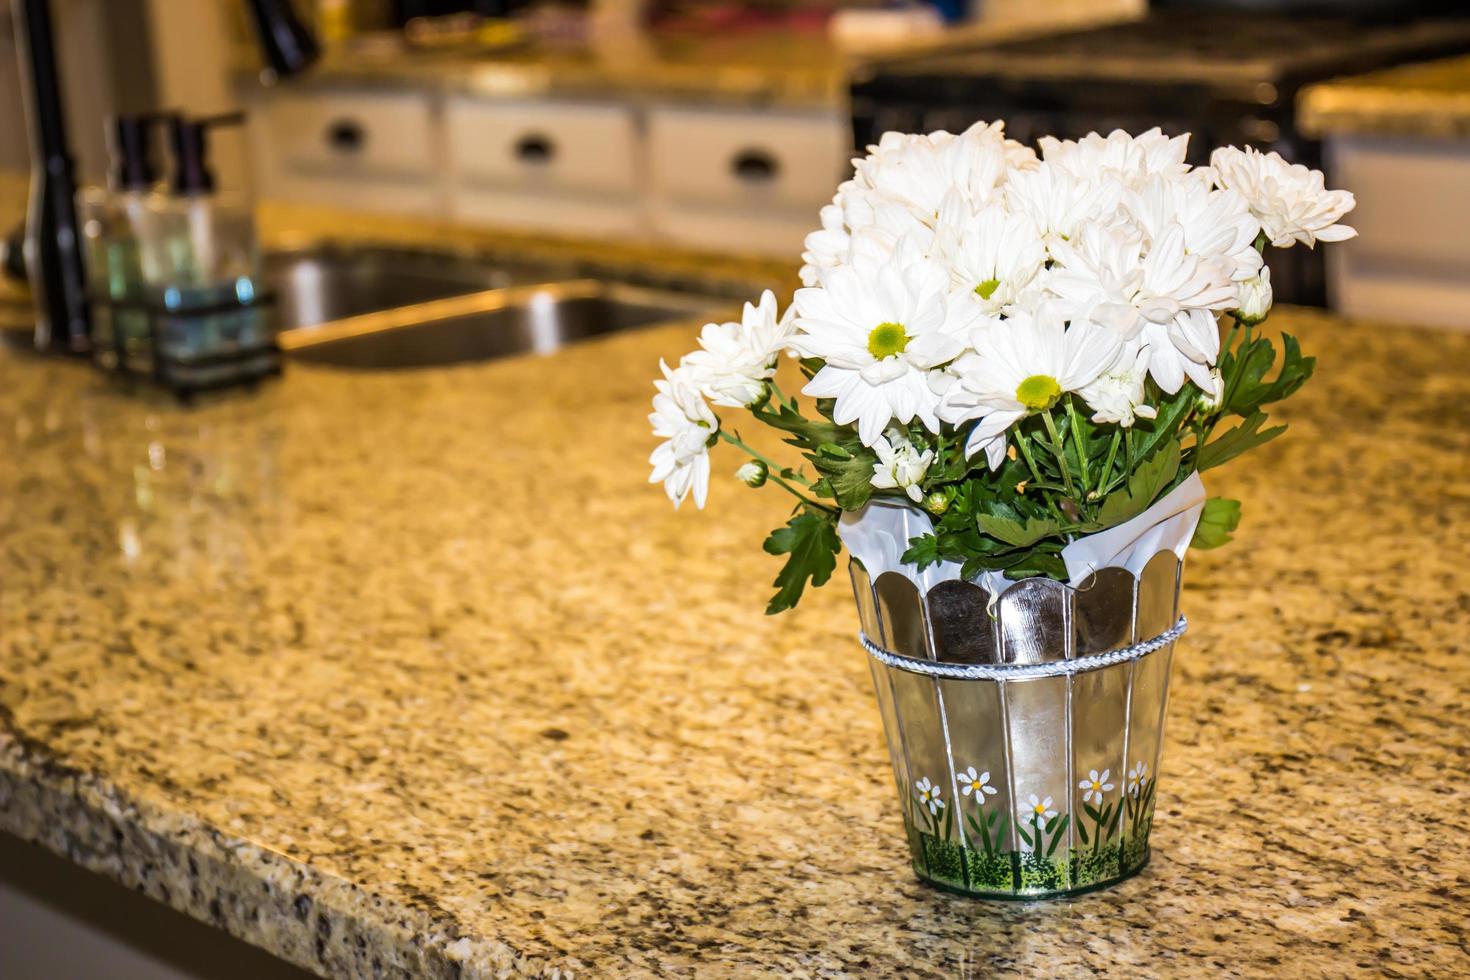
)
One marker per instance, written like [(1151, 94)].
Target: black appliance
[(1227, 71)]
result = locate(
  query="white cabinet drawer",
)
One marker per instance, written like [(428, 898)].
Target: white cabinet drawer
[(738, 159), (377, 134), (542, 146)]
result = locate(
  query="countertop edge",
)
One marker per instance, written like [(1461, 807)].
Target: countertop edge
[(259, 896)]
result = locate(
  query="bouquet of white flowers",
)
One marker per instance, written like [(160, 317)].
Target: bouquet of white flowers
[(1027, 348)]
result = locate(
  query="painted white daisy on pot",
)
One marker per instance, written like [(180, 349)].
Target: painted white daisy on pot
[(900, 465), (879, 330), (1038, 810), (928, 795), (683, 418), (1136, 777), (1023, 351), (1095, 785), (1291, 201), (976, 784)]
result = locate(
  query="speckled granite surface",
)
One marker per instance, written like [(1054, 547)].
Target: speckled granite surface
[(1428, 100), (354, 669)]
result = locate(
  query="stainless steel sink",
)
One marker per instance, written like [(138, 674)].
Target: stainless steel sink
[(329, 282), (489, 324)]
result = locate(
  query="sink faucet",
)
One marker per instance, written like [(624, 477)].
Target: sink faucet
[(53, 247)]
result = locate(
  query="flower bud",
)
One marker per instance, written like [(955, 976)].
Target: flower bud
[(1210, 398), (752, 474), (762, 395), (938, 502), (1254, 298)]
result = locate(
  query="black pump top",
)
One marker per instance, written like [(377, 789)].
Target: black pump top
[(189, 141), (132, 152)]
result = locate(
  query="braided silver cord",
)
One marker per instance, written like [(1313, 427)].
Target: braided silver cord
[(1017, 672)]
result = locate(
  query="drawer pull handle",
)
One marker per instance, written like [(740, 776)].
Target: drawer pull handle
[(755, 166), (346, 136), (535, 148)]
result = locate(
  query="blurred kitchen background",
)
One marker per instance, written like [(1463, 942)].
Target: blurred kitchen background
[(722, 127)]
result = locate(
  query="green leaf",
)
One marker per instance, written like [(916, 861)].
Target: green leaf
[(1245, 436), (811, 541), (1219, 520), (849, 477), (1014, 532), (1082, 831), (1245, 371), (923, 551), (1061, 825), (1037, 562), (1147, 481), (1150, 434)]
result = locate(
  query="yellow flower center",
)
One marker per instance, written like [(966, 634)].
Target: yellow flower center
[(1097, 785), (1038, 392), (987, 288), (887, 339), (1040, 809)]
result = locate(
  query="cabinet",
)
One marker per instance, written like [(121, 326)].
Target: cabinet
[(1411, 259), (729, 179)]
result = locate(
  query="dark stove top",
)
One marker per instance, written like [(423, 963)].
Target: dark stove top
[(1210, 49)]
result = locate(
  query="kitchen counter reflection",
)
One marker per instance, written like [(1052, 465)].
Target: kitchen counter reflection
[(1429, 100), (413, 674)]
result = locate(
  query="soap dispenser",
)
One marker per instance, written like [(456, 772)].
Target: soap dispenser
[(115, 219), (202, 269)]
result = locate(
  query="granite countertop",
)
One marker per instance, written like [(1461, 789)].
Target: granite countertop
[(1427, 100), (414, 675)]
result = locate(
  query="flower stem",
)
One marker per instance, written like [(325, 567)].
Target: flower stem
[(773, 474), (780, 395), (1076, 433), (1107, 472), (1059, 453)]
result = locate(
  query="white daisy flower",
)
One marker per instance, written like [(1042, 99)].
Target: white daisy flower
[(1217, 224), (880, 329), (995, 256), (1136, 777), (1059, 203), (1117, 395), (900, 466), (1291, 201), (1176, 295), (1023, 364), (919, 170), (1095, 786), (1038, 809), (1253, 298), (929, 796), (682, 417), (1127, 158), (736, 359), (977, 784), (827, 247)]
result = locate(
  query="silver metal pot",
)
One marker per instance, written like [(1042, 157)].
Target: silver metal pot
[(1025, 729)]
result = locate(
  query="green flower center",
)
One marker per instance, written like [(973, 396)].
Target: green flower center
[(887, 339), (987, 288), (1038, 392)]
